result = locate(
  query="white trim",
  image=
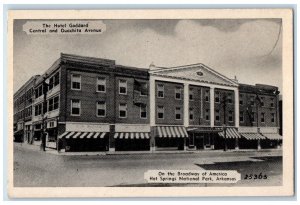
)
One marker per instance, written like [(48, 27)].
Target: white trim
[(180, 92), (163, 86), (152, 98), (237, 107), (181, 113), (125, 87), (141, 113), (212, 106), (122, 110), (75, 81), (97, 109), (79, 108), (163, 112), (186, 104), (97, 83)]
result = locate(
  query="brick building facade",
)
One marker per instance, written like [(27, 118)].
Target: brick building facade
[(93, 104)]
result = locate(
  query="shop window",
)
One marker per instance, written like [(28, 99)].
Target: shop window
[(101, 84), (76, 82), (75, 107), (192, 113), (178, 113), (160, 112), (178, 93), (123, 110), (101, 109), (160, 91), (143, 111), (123, 87)]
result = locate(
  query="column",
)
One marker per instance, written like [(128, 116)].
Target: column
[(152, 100), (212, 106), (186, 105), (236, 108), (111, 140), (237, 144), (152, 139)]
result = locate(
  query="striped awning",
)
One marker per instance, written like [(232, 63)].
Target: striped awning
[(132, 135), (252, 136), (82, 135), (272, 136), (172, 131), (231, 133)]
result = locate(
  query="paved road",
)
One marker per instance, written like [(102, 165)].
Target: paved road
[(33, 168)]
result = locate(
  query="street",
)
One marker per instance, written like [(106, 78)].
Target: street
[(33, 168)]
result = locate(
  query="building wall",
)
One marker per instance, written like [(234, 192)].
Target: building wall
[(229, 107), (170, 103)]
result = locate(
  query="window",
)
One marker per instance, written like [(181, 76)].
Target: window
[(160, 112), (123, 110), (123, 87), (262, 101), (53, 103), (241, 116), (207, 114), (178, 93), (230, 116), (75, 107), (51, 83), (262, 117), (217, 115), (206, 95), (39, 91), (272, 117), (143, 111), (178, 113), (191, 113), (252, 100), (229, 97), (217, 96), (56, 103), (253, 117), (271, 102), (144, 89), (50, 104), (101, 109), (101, 84), (241, 99), (38, 109), (160, 91), (191, 94), (56, 79), (76, 82)]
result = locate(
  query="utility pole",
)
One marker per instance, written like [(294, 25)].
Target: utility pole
[(224, 101)]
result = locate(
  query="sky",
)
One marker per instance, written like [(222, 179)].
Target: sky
[(251, 50)]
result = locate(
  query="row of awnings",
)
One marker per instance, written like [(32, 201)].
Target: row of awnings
[(172, 131), (232, 133), (132, 135)]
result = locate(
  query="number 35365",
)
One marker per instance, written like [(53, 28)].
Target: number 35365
[(255, 176)]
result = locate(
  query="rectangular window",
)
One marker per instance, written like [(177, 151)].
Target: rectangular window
[(51, 83), (75, 107), (217, 115), (178, 113), (271, 102), (229, 97), (178, 93), (56, 103), (38, 109), (39, 91), (123, 87), (123, 110), (207, 114), (272, 117), (253, 117), (262, 101), (206, 95), (252, 100), (262, 117), (144, 88), (76, 82), (241, 116), (56, 79), (192, 113), (101, 84), (191, 94), (241, 99), (101, 109), (143, 111), (50, 104), (160, 91), (230, 116), (160, 112), (217, 96)]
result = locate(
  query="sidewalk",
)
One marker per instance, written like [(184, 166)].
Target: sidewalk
[(55, 152)]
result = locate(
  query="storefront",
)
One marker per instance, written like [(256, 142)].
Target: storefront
[(229, 138), (201, 138), (273, 140)]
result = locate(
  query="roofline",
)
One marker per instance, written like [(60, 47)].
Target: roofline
[(32, 78)]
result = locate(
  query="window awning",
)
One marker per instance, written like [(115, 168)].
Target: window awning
[(132, 135), (272, 136), (172, 131), (231, 133), (252, 136), (83, 135)]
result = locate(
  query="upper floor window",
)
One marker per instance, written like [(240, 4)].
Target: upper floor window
[(160, 112), (206, 95), (217, 115), (262, 117), (229, 97), (262, 101), (75, 107), (217, 96), (160, 91), (141, 87), (192, 113), (241, 99), (178, 113), (143, 111), (39, 91), (123, 110), (252, 100), (230, 116), (178, 93), (101, 84), (75, 82), (38, 109), (272, 102), (53, 103), (54, 81), (191, 94), (123, 87), (253, 117), (241, 116), (272, 117), (101, 109), (207, 114)]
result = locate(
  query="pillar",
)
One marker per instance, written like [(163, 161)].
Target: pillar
[(111, 140), (152, 95), (186, 106), (152, 139), (212, 106), (184, 144), (258, 145), (236, 108), (237, 144)]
